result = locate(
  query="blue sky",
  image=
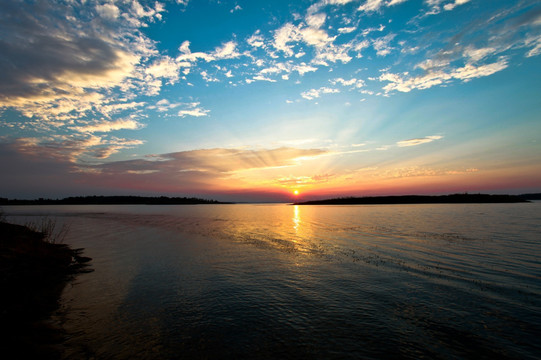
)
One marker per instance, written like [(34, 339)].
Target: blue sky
[(252, 100)]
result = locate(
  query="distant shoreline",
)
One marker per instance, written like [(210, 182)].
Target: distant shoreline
[(420, 199), (112, 200), (368, 200)]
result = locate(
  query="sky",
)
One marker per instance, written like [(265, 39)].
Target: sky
[(251, 100)]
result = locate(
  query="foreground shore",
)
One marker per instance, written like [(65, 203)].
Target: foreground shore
[(33, 273)]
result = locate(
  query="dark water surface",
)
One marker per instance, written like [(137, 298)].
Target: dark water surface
[(280, 281)]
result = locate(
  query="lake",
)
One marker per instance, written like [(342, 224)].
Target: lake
[(262, 281)]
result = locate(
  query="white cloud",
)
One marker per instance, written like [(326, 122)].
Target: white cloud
[(277, 68), (315, 37), (164, 105), (256, 40), (227, 51), (193, 109), (434, 6), (208, 78), (382, 44), (431, 64), (470, 71), (347, 30), (354, 83), (369, 30), (108, 11), (316, 20), (333, 53), (395, 2), (262, 78), (236, 8), (165, 68), (315, 93), (477, 54), (310, 94), (287, 68), (285, 35), (456, 3), (303, 68), (114, 108), (141, 11), (188, 56), (535, 43), (322, 3), (371, 5), (359, 46), (375, 5), (289, 35)]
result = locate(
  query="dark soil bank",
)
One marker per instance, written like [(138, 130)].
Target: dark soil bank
[(33, 273)]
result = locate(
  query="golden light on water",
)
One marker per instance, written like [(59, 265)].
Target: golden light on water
[(296, 218)]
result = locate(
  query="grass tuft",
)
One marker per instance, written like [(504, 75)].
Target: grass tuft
[(48, 228)]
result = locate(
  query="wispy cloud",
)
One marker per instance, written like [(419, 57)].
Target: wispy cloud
[(300, 181), (405, 83), (73, 149), (108, 126), (375, 5), (199, 168), (382, 45), (418, 141)]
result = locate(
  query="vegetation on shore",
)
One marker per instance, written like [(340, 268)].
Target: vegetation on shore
[(112, 200), (34, 269), (419, 199)]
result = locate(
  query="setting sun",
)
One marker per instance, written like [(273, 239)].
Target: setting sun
[(295, 192)]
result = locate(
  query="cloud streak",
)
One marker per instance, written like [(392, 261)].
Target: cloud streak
[(405, 83), (418, 141)]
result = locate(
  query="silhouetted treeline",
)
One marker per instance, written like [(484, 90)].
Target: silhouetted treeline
[(531, 196), (112, 200), (419, 199)]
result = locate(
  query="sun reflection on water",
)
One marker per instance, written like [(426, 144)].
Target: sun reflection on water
[(296, 218)]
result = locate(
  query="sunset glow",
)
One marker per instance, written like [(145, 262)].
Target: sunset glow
[(240, 101)]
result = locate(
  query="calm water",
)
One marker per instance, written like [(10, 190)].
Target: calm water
[(281, 281)]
